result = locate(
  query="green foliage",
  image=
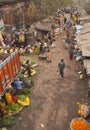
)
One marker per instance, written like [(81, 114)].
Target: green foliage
[(32, 81), (21, 76), (32, 62), (49, 7), (13, 107), (22, 97), (26, 91), (25, 54), (7, 121)]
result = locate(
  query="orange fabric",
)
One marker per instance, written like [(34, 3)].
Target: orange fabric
[(56, 21)]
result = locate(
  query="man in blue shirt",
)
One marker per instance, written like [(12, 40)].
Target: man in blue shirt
[(18, 84)]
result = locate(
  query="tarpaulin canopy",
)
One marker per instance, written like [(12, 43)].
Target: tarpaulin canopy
[(84, 44), (84, 36), (43, 26), (84, 18), (86, 25), (83, 40), (86, 50), (78, 28), (87, 66)]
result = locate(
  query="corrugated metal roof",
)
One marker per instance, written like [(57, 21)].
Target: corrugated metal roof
[(84, 36), (86, 50), (87, 66), (83, 40), (44, 26)]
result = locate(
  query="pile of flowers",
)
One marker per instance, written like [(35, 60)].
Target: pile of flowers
[(79, 124)]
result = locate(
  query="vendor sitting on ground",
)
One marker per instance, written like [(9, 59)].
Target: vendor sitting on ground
[(18, 84)]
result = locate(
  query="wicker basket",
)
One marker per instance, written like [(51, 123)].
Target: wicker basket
[(78, 119)]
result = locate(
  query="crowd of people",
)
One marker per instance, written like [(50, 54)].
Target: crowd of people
[(66, 29)]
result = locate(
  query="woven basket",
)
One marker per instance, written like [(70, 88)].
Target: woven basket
[(77, 119)]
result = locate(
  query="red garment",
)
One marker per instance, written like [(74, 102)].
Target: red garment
[(71, 56), (15, 99)]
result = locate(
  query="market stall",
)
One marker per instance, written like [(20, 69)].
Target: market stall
[(43, 27), (87, 66), (16, 97), (83, 41)]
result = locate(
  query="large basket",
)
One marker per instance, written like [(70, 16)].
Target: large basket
[(78, 119)]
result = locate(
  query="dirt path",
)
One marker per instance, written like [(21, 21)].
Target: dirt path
[(53, 102)]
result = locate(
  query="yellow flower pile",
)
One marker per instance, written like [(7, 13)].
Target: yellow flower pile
[(8, 98)]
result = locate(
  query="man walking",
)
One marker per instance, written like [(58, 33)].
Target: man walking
[(61, 66)]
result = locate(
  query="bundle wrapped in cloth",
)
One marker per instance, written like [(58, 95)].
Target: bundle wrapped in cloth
[(83, 110)]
